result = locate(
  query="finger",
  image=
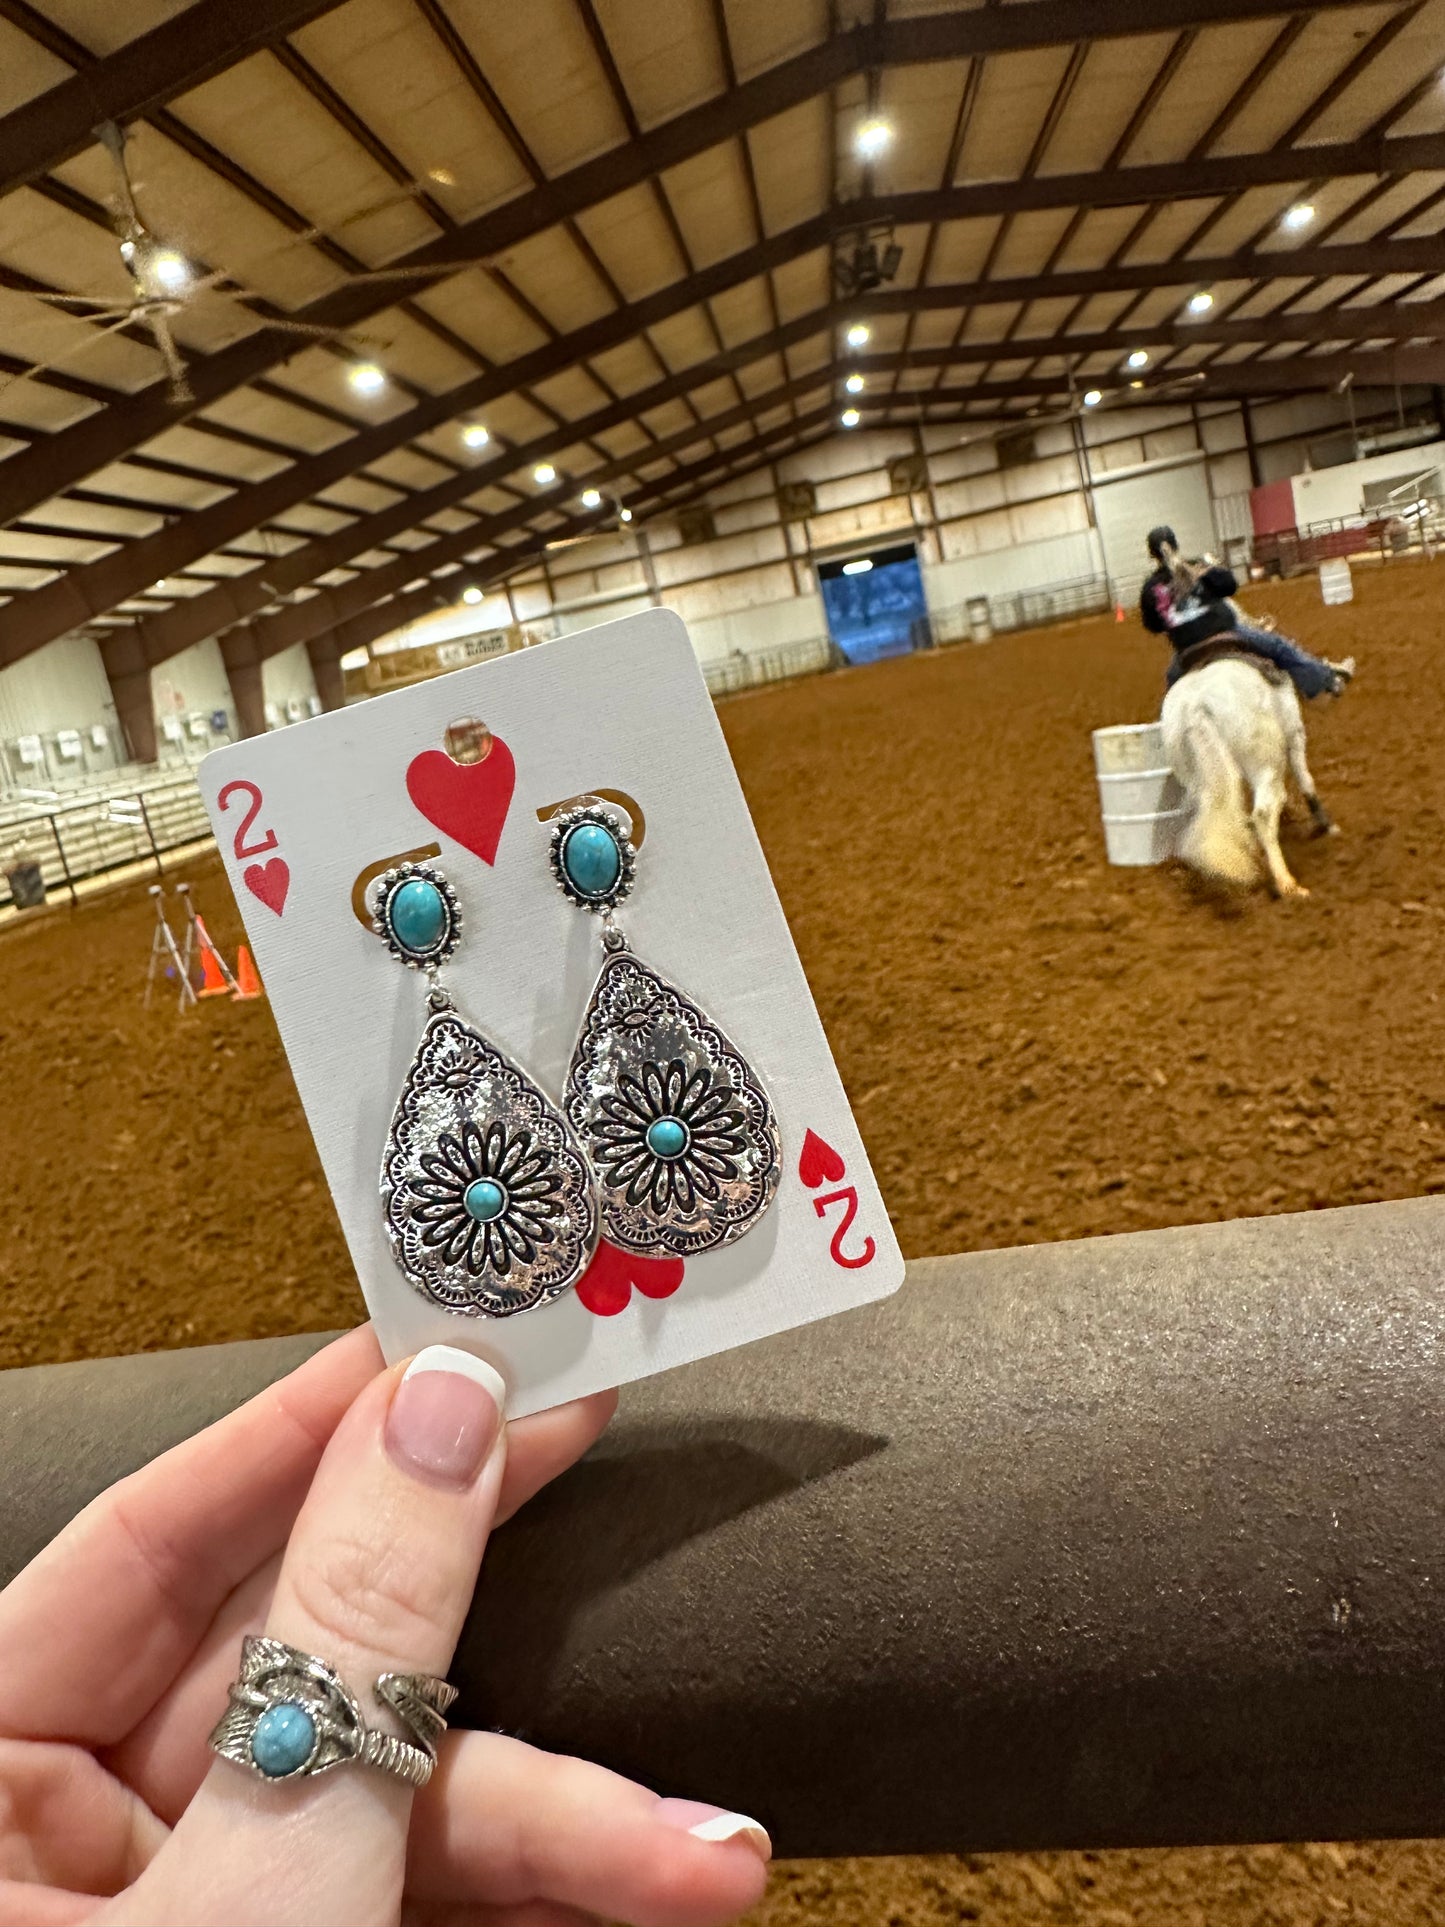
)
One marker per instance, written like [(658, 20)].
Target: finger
[(542, 1446), (166, 1757), (110, 1610), (539, 1913), (23, 1903), (66, 1823), (376, 1578), (503, 1823)]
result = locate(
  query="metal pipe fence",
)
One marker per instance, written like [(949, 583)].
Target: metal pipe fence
[(973, 621), (106, 830)]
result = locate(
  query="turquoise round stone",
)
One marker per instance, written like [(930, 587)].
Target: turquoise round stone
[(666, 1137), (485, 1200), (592, 860), (417, 914), (283, 1739)]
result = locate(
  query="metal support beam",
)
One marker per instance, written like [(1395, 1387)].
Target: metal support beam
[(100, 586), (139, 77), (1314, 374), (1124, 1542), (65, 457)]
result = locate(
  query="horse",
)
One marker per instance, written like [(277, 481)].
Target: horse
[(1234, 734)]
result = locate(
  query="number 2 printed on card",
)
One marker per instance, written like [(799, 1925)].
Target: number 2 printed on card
[(268, 882)]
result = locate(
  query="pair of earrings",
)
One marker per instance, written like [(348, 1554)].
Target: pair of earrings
[(665, 1141)]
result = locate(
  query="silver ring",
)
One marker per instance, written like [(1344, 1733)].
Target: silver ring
[(289, 1716)]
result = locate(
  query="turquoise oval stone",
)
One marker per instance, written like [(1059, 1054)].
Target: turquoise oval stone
[(592, 860), (666, 1137), (485, 1200), (283, 1739), (417, 914)]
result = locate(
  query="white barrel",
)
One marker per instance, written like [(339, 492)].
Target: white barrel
[(1136, 840), (1130, 746), (1141, 803), (1143, 792)]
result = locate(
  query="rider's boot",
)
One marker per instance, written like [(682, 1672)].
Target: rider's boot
[(1344, 673)]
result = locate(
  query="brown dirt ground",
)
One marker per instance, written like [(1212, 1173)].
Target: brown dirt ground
[(1037, 1047)]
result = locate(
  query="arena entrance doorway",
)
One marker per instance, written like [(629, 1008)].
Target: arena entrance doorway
[(874, 603)]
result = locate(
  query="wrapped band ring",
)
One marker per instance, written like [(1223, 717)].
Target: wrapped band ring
[(289, 1716)]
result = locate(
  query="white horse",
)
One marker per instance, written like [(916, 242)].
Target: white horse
[(1234, 736)]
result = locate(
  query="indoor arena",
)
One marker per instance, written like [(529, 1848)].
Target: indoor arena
[(1035, 415)]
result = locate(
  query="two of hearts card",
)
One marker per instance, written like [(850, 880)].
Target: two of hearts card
[(594, 1130)]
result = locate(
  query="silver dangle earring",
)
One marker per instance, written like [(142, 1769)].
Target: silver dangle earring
[(680, 1131), (489, 1202)]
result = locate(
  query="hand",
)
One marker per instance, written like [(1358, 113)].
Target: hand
[(345, 1510)]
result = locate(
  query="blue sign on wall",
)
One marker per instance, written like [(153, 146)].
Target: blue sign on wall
[(875, 604)]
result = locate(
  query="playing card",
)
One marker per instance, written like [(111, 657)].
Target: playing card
[(309, 817)]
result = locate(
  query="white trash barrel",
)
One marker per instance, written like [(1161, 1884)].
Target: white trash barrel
[(1337, 584), (1141, 803)]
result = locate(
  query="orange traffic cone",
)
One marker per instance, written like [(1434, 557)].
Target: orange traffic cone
[(213, 979), (248, 984), (1118, 612)]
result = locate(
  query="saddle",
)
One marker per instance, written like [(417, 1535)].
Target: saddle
[(1228, 647)]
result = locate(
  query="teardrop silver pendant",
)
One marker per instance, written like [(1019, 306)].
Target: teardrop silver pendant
[(680, 1131), (489, 1205)]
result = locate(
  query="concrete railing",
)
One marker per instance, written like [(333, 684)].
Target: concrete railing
[(1129, 1541)]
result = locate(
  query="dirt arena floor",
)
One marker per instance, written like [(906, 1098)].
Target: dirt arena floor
[(1037, 1046)]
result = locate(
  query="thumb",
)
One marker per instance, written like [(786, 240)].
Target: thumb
[(377, 1578)]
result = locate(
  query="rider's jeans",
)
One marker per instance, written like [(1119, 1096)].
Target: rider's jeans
[(1310, 676)]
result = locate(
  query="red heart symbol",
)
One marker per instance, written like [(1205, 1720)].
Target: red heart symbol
[(818, 1162), (606, 1285), (270, 882), (466, 801)]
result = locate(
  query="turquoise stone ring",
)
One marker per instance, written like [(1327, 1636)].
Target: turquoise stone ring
[(284, 1739), (289, 1717)]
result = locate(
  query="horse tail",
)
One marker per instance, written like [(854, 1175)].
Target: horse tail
[(1218, 839)]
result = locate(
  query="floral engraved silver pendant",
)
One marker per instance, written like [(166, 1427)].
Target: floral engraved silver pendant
[(489, 1204), (680, 1131)]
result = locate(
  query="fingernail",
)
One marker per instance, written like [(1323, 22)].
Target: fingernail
[(713, 1825), (445, 1416)]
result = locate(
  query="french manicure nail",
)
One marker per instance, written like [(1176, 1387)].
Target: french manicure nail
[(735, 1826), (445, 1415)]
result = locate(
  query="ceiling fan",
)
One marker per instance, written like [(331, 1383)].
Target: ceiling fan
[(163, 282)]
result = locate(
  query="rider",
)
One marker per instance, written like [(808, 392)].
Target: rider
[(1191, 605)]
